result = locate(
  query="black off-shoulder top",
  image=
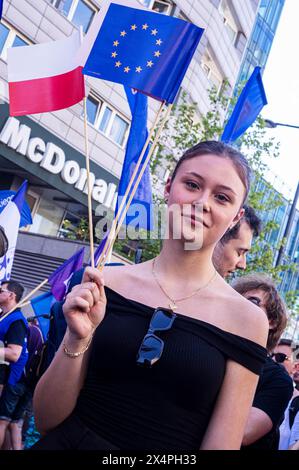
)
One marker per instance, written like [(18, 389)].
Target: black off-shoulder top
[(166, 407)]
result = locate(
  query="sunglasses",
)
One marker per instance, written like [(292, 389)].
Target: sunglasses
[(280, 357), (152, 346), (3, 290)]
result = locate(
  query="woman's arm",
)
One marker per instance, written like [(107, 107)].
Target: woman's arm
[(227, 424), (57, 391)]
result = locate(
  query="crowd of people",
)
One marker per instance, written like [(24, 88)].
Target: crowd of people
[(167, 354)]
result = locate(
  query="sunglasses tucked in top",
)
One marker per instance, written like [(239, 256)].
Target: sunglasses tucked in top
[(152, 346)]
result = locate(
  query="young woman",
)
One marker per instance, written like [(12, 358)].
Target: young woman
[(166, 356)]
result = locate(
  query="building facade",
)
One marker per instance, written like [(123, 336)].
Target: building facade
[(56, 197)]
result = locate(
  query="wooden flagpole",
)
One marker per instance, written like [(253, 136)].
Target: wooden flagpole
[(27, 297), (125, 196), (89, 202), (110, 240)]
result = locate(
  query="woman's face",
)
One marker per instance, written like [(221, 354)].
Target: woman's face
[(209, 193)]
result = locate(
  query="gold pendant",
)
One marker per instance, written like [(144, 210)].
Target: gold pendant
[(172, 306)]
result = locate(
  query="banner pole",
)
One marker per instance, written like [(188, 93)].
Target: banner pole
[(125, 196), (112, 239), (89, 202), (27, 297)]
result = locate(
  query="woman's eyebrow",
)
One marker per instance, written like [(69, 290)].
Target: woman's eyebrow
[(222, 186)]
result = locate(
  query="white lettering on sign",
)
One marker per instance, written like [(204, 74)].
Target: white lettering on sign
[(52, 159)]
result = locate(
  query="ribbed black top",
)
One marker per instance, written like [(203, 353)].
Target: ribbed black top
[(168, 406)]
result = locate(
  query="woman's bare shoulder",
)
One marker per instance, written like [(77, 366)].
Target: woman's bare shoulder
[(246, 319), (252, 320)]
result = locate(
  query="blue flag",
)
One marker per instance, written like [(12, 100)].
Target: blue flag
[(141, 213), (10, 221), (60, 279), (144, 50), (41, 305), (1, 7), (5, 197), (249, 105)]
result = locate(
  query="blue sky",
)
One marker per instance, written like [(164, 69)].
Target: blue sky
[(281, 81)]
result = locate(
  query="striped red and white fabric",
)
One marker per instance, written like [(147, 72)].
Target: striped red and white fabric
[(45, 77)]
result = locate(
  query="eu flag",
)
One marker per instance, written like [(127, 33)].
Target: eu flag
[(144, 50), (1, 6), (249, 105)]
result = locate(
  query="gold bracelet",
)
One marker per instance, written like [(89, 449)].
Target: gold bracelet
[(79, 353)]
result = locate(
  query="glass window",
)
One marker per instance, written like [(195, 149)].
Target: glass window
[(19, 42), (83, 15), (4, 32), (9, 38), (118, 130), (160, 6), (47, 218), (105, 119), (92, 106), (63, 6), (77, 11)]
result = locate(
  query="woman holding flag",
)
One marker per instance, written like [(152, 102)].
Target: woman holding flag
[(158, 356)]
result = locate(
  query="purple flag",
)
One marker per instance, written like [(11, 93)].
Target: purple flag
[(60, 279), (99, 249)]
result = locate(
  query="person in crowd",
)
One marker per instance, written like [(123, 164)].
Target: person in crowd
[(13, 334), (275, 386), (284, 354), (289, 429), (230, 252), (3, 242), (165, 356)]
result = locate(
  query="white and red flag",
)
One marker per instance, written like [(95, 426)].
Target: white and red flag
[(45, 77)]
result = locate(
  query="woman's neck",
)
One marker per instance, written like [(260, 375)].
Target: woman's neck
[(175, 262)]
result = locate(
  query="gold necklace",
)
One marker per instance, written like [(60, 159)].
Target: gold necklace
[(173, 302)]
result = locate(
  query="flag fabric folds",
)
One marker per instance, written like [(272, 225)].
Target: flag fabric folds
[(10, 221), (142, 211), (41, 305), (249, 105), (142, 49), (5, 197), (60, 279), (45, 77), (99, 249)]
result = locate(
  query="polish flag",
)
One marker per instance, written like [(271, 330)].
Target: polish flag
[(45, 77)]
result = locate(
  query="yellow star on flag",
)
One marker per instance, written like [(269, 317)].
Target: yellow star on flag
[(117, 64), (154, 32), (127, 69), (123, 33), (145, 26), (133, 27), (114, 54), (157, 54), (149, 63), (159, 42), (138, 69), (116, 43)]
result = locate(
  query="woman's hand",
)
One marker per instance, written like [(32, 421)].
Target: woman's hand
[(85, 305)]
